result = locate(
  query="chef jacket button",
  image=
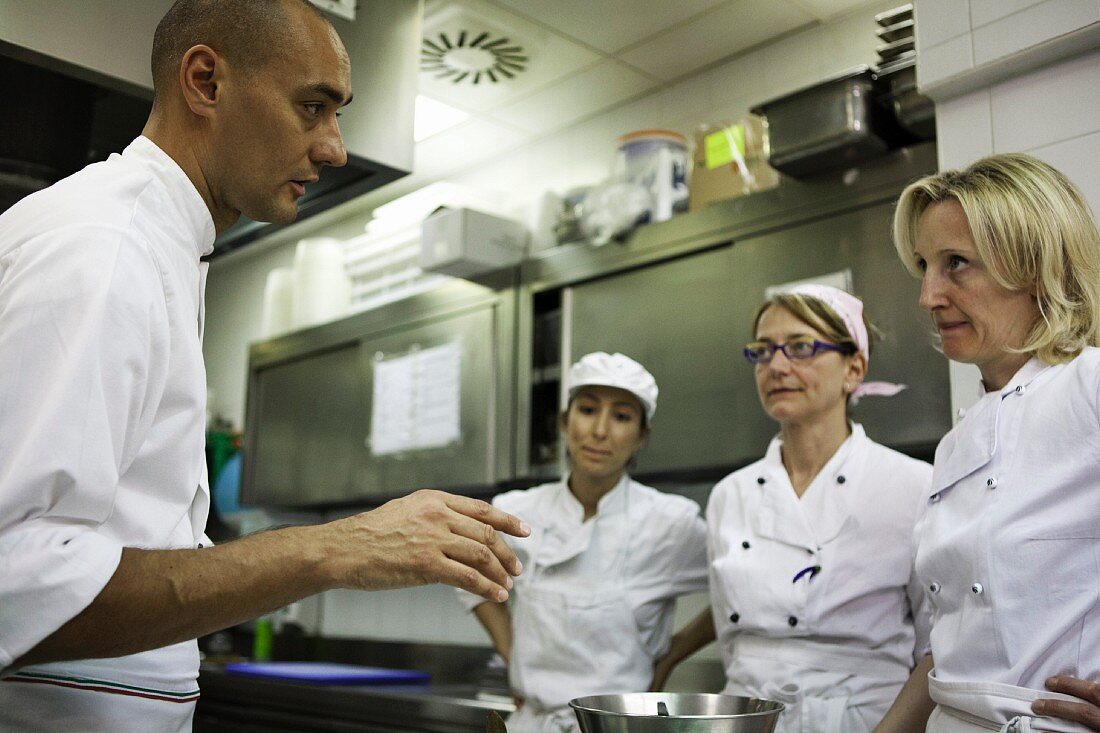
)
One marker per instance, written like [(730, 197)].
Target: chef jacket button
[(934, 587), (200, 545), (760, 480), (1020, 389), (991, 482), (746, 544), (792, 621), (977, 589), (934, 498), (735, 617), (840, 479)]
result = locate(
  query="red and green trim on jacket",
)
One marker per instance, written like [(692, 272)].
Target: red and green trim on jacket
[(114, 688)]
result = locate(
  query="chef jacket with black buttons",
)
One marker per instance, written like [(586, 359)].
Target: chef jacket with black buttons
[(814, 599), (1009, 546), (102, 428)]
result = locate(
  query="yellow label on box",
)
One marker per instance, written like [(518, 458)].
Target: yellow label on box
[(719, 146)]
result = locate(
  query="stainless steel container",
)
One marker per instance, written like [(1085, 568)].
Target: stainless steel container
[(833, 124), (666, 712), (915, 112)]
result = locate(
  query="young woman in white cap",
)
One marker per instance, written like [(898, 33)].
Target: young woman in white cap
[(813, 598), (605, 561)]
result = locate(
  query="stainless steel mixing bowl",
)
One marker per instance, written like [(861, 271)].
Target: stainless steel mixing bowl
[(668, 712)]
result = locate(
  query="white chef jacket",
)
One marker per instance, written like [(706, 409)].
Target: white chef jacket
[(1009, 547), (102, 415), (649, 544), (835, 644)]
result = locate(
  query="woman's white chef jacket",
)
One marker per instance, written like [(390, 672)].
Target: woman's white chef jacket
[(593, 608), (102, 420), (1009, 548), (835, 644)]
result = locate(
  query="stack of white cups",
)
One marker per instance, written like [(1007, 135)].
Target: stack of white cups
[(316, 290), (278, 313)]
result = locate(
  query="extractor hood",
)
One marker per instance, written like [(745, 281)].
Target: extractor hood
[(80, 72)]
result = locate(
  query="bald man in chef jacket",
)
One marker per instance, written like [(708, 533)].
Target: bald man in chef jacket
[(106, 575)]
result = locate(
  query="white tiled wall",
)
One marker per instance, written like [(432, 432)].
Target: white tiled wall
[(955, 37), (1052, 111)]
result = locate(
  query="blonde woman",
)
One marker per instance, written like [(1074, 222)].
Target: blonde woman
[(813, 600), (1009, 547)]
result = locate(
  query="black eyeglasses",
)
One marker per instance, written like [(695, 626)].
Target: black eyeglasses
[(761, 352)]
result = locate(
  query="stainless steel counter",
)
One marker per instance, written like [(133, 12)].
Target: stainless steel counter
[(239, 703)]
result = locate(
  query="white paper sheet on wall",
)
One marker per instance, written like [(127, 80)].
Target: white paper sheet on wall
[(416, 400)]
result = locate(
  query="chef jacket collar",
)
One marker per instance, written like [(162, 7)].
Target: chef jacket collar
[(962, 452), (566, 534), (184, 197), (573, 511), (774, 455), (780, 514), (1023, 377)]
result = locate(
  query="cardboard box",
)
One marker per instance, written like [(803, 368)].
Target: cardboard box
[(721, 152)]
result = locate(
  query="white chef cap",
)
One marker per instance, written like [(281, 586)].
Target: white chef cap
[(615, 370)]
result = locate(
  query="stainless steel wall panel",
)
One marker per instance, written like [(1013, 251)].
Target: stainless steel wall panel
[(310, 400), (470, 461), (308, 408), (676, 318), (860, 240), (687, 320)]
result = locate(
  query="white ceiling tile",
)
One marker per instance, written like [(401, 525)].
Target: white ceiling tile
[(547, 56), (723, 32), (583, 94), (464, 145), (610, 25)]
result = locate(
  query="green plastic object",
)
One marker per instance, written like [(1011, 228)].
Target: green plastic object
[(262, 641), (221, 445), (724, 146)]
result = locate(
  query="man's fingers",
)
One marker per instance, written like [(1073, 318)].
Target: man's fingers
[(485, 535), (463, 576), (476, 555), (485, 512)]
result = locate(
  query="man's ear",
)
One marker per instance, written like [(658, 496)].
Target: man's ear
[(201, 72)]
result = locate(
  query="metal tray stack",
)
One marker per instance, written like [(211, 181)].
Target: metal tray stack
[(857, 114), (833, 124), (897, 72)]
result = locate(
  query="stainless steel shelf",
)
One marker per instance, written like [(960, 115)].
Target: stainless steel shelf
[(233, 702)]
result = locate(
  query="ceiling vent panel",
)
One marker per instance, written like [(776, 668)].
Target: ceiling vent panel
[(478, 57)]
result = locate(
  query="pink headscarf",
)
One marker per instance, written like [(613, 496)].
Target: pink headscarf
[(850, 310)]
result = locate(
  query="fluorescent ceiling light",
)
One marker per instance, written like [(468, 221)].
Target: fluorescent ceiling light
[(434, 117)]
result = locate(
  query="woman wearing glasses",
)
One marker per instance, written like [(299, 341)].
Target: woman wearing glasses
[(812, 596)]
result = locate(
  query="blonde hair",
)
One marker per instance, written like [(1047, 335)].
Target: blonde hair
[(819, 316), (1034, 231)]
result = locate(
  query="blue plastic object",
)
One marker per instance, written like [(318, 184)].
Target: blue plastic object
[(326, 673), (227, 487)]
